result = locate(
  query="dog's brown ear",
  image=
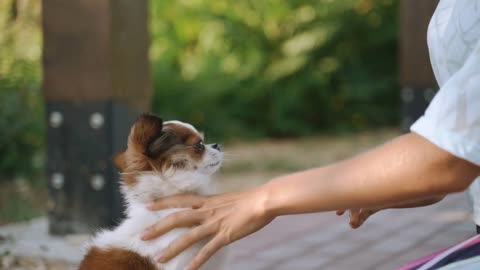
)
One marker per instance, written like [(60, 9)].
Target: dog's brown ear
[(146, 129), (162, 144), (119, 161)]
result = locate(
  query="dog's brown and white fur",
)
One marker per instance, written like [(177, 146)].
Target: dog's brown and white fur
[(162, 158)]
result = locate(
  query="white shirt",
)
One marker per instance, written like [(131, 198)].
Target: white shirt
[(452, 121)]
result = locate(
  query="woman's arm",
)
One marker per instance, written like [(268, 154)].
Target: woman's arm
[(419, 203), (406, 169)]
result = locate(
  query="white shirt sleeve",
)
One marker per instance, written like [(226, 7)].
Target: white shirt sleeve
[(452, 121)]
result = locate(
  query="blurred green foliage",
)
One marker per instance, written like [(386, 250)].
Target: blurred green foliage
[(275, 67), (21, 127), (233, 68)]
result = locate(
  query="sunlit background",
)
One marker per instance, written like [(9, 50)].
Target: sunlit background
[(243, 69)]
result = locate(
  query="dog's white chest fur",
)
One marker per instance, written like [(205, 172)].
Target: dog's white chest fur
[(128, 234)]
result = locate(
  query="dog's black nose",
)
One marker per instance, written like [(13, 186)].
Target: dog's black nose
[(217, 146)]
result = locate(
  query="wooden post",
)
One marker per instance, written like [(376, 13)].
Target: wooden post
[(96, 81), (416, 75)]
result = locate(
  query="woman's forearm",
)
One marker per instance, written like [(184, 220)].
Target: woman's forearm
[(407, 169), (419, 203)]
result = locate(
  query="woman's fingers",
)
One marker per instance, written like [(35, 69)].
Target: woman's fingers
[(358, 217), (185, 218), (237, 213), (206, 252), (354, 218), (362, 217), (177, 201), (185, 241)]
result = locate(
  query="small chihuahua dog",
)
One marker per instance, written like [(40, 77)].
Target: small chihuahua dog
[(162, 159)]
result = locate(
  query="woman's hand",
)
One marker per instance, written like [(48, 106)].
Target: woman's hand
[(358, 216), (222, 218)]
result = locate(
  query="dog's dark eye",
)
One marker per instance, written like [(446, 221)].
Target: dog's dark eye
[(199, 146)]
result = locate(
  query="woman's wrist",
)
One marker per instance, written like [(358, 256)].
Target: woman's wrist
[(264, 201), (275, 197)]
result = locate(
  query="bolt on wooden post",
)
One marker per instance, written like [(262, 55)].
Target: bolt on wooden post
[(96, 81), (416, 76)]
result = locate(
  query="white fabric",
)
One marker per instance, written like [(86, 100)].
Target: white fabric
[(452, 121)]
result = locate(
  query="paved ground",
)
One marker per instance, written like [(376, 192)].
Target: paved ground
[(324, 241), (303, 242)]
